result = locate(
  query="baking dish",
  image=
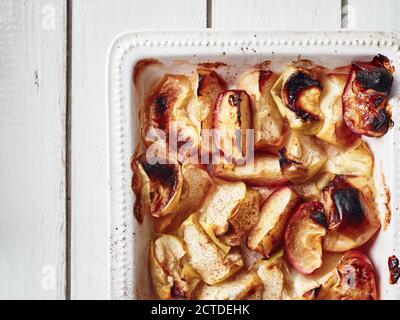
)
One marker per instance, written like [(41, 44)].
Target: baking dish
[(128, 241)]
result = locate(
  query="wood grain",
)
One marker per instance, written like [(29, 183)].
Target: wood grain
[(95, 24), (373, 15), (32, 144), (276, 15)]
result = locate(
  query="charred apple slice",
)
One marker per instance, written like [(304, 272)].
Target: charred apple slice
[(301, 158), (169, 274), (334, 129), (350, 208), (209, 86), (239, 287), (297, 94), (303, 237), (264, 171), (269, 126), (157, 187), (268, 233), (196, 185), (210, 262), (166, 109), (229, 213), (365, 97), (356, 279), (231, 117)]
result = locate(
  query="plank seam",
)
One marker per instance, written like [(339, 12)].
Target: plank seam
[(68, 152), (344, 13), (209, 14)]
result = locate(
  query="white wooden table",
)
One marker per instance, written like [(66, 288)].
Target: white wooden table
[(53, 234)]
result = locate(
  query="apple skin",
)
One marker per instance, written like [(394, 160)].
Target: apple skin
[(308, 224)]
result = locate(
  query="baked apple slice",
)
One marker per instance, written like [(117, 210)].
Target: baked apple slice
[(355, 280), (229, 213), (334, 129), (209, 86), (269, 126), (268, 232), (157, 187), (365, 97), (357, 159), (231, 118), (312, 286), (165, 109), (264, 171), (169, 274), (239, 287), (210, 262), (271, 276), (350, 208), (312, 189), (301, 158), (297, 94), (304, 235), (196, 185)]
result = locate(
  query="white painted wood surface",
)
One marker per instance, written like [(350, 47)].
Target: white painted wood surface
[(276, 15), (95, 24), (33, 242), (32, 149), (373, 15)]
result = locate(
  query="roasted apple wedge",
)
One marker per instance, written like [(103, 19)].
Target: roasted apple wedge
[(334, 129), (351, 213), (304, 235), (196, 185), (157, 187), (356, 160), (263, 171), (232, 117), (271, 276), (268, 232), (269, 126), (365, 97), (313, 286), (169, 273), (209, 86), (211, 263), (230, 211), (238, 287), (355, 279), (166, 109), (301, 157), (312, 189), (297, 94)]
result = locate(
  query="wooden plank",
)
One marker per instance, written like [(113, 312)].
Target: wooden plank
[(276, 15), (32, 144), (95, 24), (373, 15)]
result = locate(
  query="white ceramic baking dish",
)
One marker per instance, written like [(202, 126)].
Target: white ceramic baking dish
[(128, 240)]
